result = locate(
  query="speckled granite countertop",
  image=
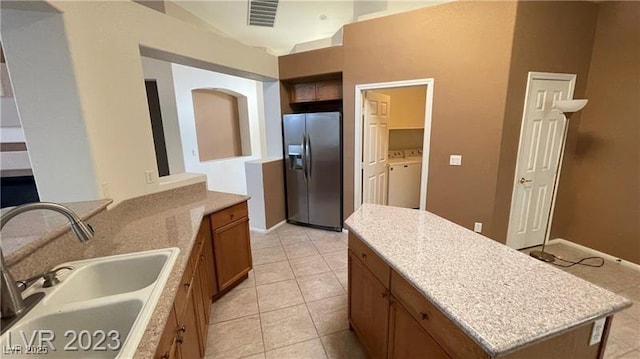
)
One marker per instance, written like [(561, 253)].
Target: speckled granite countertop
[(166, 219), (501, 298)]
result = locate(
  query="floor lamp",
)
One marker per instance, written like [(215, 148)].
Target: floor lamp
[(567, 108)]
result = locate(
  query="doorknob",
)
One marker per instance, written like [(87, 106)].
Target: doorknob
[(523, 180)]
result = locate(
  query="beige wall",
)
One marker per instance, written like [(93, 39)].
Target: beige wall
[(217, 124), (599, 195), (227, 175), (466, 47), (265, 185), (310, 63), (273, 181), (407, 106), (479, 54), (104, 40), (406, 139), (564, 47)]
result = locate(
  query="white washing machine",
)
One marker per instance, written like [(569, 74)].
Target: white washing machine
[(404, 179)]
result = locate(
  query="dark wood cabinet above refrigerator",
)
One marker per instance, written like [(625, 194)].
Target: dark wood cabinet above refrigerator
[(312, 94), (325, 90)]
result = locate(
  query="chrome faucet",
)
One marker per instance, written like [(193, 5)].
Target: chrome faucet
[(11, 297)]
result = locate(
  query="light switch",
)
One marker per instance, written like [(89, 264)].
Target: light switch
[(455, 160)]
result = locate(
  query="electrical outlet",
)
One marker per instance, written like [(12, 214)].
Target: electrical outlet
[(455, 160), (194, 153), (148, 174), (477, 227)]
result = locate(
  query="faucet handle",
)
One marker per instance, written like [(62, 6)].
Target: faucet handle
[(51, 278)]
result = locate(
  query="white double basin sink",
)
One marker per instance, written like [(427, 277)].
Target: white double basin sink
[(100, 309)]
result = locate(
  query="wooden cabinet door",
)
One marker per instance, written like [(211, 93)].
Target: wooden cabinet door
[(211, 267), (232, 252), (368, 308), (166, 346), (210, 285), (328, 90), (184, 289), (303, 92), (188, 338), (204, 274), (200, 309), (407, 339)]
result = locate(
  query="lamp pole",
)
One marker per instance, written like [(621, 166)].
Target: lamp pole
[(567, 108)]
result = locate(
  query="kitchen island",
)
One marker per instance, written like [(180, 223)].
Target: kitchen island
[(423, 287)]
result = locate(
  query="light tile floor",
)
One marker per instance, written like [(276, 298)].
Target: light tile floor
[(624, 337), (294, 303)]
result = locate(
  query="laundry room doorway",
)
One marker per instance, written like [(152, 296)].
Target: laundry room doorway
[(393, 131)]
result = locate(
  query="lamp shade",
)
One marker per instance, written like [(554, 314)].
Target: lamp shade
[(568, 106)]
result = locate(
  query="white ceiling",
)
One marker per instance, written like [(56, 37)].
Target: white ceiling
[(297, 21)]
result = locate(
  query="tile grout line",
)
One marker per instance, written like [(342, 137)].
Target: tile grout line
[(307, 303), (296, 278), (303, 302), (271, 310), (315, 328), (324, 348), (264, 347)]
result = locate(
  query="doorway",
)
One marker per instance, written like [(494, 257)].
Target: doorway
[(160, 147), (539, 159), (378, 135)]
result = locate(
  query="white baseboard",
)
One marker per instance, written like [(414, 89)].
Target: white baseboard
[(266, 231), (606, 256)]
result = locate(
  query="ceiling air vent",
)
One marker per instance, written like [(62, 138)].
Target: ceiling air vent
[(262, 12)]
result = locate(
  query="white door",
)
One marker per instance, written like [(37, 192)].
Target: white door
[(541, 141), (375, 146)]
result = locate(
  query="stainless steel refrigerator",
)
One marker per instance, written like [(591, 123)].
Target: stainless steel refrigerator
[(313, 166)]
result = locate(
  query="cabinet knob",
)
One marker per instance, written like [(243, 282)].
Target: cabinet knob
[(165, 356), (232, 215), (179, 338), (364, 256), (385, 294), (186, 285), (424, 316)]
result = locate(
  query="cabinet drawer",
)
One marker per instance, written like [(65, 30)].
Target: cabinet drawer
[(229, 215), (452, 339), (375, 264)]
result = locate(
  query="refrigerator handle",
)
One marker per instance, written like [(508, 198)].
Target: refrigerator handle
[(304, 155), (308, 156)]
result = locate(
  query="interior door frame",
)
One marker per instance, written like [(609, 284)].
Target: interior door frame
[(533, 75), (426, 142)]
